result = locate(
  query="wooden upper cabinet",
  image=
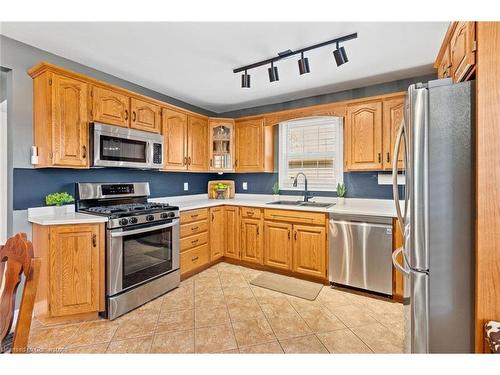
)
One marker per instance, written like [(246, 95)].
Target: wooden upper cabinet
[(462, 50), (309, 250), (175, 134), (145, 116), (251, 240), (363, 138), (221, 144), (197, 143), (393, 116), (217, 232), (232, 224), (278, 245), (69, 121), (76, 256), (254, 146), (110, 107)]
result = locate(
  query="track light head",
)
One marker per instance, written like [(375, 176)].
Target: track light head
[(245, 80), (340, 55), (303, 64), (273, 73)]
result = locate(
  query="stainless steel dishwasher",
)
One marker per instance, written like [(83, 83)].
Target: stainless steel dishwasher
[(361, 252)]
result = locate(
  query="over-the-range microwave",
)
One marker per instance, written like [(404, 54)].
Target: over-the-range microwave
[(115, 146)]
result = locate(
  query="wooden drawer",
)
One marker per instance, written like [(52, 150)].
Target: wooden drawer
[(194, 215), (194, 228), (251, 212), (194, 258), (317, 218), (192, 241)]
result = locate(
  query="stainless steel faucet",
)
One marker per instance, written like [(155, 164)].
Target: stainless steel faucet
[(306, 195)]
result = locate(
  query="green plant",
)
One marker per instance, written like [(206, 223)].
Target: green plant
[(341, 190), (276, 188), (220, 186), (58, 199)]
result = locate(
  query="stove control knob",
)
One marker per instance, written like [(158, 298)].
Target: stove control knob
[(133, 220), (164, 215), (123, 221), (150, 218), (171, 214)]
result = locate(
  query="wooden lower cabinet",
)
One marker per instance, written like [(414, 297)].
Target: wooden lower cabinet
[(309, 250), (251, 240), (195, 242), (232, 224), (72, 269), (217, 233), (194, 258), (278, 245)]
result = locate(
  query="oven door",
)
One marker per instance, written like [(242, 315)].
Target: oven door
[(141, 253)]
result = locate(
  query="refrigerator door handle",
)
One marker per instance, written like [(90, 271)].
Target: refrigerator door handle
[(398, 266), (399, 137)]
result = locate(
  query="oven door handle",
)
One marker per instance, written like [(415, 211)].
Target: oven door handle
[(123, 233)]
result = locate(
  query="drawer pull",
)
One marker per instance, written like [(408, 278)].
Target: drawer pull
[(194, 228), (194, 258), (250, 213), (194, 215), (194, 241)]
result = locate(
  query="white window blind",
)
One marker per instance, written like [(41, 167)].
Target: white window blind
[(313, 146)]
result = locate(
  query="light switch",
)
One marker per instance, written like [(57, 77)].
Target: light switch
[(245, 186), (186, 186)]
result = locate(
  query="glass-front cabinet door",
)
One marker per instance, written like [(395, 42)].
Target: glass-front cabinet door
[(221, 145)]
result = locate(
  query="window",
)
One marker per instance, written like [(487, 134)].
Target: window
[(313, 146)]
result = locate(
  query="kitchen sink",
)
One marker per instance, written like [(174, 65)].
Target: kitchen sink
[(302, 203)]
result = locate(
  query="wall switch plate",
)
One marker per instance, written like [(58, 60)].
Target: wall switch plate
[(245, 186), (186, 186)]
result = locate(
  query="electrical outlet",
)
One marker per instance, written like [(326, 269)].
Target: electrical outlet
[(245, 186), (186, 186)]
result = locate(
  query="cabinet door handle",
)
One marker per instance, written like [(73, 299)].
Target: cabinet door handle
[(212, 217), (295, 235), (258, 231), (388, 157), (288, 233), (84, 151), (94, 240), (133, 116), (126, 114), (185, 160), (236, 163), (379, 157), (211, 163), (189, 160)]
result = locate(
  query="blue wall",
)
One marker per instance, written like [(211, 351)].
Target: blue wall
[(32, 185)]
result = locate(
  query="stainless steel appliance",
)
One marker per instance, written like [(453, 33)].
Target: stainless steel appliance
[(142, 243), (438, 217), (116, 146), (360, 252)]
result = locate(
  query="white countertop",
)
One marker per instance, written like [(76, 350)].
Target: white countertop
[(352, 206)]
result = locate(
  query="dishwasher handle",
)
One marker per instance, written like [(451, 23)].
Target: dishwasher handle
[(361, 223)]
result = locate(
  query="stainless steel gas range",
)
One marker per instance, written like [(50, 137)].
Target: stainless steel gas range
[(142, 243)]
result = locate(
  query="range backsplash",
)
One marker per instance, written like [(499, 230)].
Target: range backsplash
[(32, 185)]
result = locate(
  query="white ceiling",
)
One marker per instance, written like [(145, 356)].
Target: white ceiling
[(193, 61)]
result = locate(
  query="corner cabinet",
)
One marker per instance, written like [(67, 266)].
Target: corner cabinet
[(254, 146), (72, 282), (60, 120), (221, 145)]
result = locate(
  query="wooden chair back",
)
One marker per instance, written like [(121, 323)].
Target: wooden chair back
[(16, 258)]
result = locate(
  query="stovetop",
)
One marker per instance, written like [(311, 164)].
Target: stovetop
[(130, 209)]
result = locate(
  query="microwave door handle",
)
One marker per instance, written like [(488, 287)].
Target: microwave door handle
[(143, 230), (149, 150), (395, 189)]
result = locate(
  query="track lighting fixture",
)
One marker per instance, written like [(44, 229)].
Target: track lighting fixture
[(303, 64), (273, 73), (339, 54), (245, 80)]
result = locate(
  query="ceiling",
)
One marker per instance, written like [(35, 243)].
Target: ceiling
[(193, 61)]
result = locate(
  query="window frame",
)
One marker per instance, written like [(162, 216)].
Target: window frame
[(339, 150)]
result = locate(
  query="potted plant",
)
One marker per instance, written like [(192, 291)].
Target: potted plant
[(276, 191), (220, 189), (341, 193), (59, 200)]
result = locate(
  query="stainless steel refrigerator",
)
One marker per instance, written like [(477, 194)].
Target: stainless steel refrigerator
[(438, 217)]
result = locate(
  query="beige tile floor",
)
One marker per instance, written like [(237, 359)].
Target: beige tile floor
[(218, 311)]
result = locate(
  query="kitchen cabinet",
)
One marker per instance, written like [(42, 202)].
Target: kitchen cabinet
[(363, 136), (251, 240), (217, 233), (60, 126), (197, 144), (309, 250), (254, 146), (145, 115), (195, 244), (72, 268), (175, 130), (393, 109), (232, 223), (278, 245), (221, 144), (110, 107)]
